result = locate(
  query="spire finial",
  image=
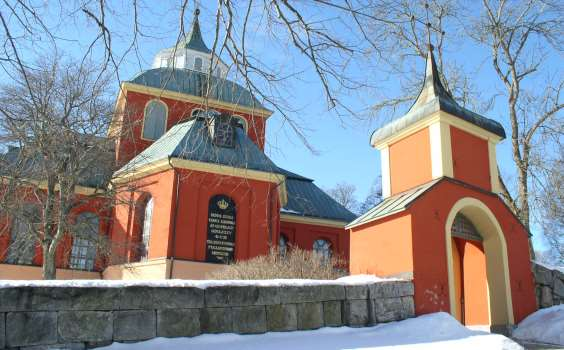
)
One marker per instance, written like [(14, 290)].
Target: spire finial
[(428, 25), (196, 13)]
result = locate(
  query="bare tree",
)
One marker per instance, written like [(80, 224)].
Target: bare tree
[(344, 194), (54, 118), (373, 197), (517, 33)]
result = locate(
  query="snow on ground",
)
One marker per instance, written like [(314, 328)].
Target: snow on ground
[(544, 326), (434, 331), (348, 280)]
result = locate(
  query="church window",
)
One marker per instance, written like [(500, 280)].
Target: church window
[(198, 64), (322, 247), (154, 121), (241, 122), (282, 245), (223, 132), (83, 253), (23, 238), (146, 229)]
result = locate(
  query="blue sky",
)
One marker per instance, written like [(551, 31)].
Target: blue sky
[(341, 141)]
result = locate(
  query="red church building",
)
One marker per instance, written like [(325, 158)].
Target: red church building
[(206, 194)]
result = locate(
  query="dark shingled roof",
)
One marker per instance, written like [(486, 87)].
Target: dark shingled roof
[(306, 199), (194, 40), (193, 83), (433, 98)]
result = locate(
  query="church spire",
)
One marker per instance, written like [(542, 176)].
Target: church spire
[(194, 40)]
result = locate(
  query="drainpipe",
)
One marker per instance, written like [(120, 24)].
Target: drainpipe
[(174, 217)]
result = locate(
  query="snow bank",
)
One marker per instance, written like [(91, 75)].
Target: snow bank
[(435, 331), (544, 326), (349, 280)]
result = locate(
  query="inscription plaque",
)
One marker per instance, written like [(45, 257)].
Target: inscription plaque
[(220, 244)]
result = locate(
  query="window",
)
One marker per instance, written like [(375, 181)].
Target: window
[(83, 253), (23, 239), (146, 233), (241, 122), (154, 122), (463, 228), (323, 248), (282, 245), (198, 63), (223, 132)]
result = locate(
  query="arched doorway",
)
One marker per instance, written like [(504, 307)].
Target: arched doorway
[(478, 274)]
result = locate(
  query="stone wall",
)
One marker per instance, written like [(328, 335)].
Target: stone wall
[(549, 286), (84, 317)]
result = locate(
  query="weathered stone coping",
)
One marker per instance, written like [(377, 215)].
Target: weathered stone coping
[(88, 316)]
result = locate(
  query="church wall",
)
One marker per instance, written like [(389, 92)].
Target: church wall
[(410, 161), (303, 235), (257, 214), (429, 214), (131, 144), (383, 247), (470, 158)]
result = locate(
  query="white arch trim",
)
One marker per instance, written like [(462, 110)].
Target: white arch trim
[(491, 229)]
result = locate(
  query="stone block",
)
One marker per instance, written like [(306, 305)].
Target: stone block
[(310, 315), (300, 294), (332, 313), (134, 325), (31, 328), (82, 326), (393, 309), (16, 299), (356, 292), (542, 275), (282, 317), (217, 320), (356, 313), (138, 297), (178, 322), (392, 289), (2, 330), (546, 297), (222, 296), (332, 292), (249, 319), (178, 297), (65, 346), (558, 288), (95, 299), (51, 298)]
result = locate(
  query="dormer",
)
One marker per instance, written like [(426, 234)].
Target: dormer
[(436, 138)]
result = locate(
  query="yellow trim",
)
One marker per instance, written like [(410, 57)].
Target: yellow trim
[(312, 221), (219, 169), (440, 116), (441, 151), (494, 176), (83, 190), (385, 171), (495, 249), (195, 99), (145, 114)]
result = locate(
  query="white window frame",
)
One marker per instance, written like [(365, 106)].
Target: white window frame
[(84, 252)]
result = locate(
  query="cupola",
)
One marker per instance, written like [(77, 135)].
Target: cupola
[(437, 137)]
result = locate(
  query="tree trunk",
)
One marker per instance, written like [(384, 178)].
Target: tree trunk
[(49, 264)]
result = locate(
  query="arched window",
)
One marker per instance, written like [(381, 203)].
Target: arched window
[(282, 245), (323, 248), (146, 233), (154, 121), (23, 237), (85, 234), (198, 112), (464, 228), (241, 122), (198, 63)]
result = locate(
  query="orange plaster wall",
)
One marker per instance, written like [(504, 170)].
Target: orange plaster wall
[(410, 161), (131, 143), (383, 248), (429, 214), (470, 158), (257, 214), (303, 235)]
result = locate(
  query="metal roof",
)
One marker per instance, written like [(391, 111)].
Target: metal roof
[(393, 204), (191, 140), (306, 199), (433, 98), (194, 83), (194, 40)]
